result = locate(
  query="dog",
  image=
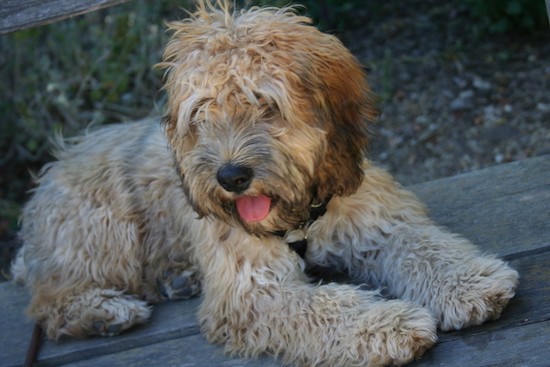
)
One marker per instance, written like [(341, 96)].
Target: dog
[(258, 172)]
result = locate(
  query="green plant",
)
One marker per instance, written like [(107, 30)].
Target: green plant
[(329, 15), (502, 16), (91, 69)]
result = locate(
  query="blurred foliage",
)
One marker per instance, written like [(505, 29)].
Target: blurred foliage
[(329, 15), (92, 69), (506, 16)]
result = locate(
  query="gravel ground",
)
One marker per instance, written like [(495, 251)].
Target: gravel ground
[(453, 100)]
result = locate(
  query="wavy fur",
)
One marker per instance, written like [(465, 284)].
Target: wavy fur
[(133, 214)]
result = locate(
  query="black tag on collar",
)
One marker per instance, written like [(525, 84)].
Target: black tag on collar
[(299, 246), (318, 210)]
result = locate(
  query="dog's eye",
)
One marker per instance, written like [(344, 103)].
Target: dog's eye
[(268, 107), (268, 112)]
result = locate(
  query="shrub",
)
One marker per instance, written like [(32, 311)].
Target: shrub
[(90, 69), (503, 16)]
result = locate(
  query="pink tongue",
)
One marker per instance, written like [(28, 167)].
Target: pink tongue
[(253, 208)]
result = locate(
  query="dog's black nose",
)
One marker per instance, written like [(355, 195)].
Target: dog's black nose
[(235, 178)]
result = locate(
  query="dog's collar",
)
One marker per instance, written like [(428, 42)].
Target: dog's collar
[(316, 210)]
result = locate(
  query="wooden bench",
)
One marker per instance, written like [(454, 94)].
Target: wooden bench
[(504, 209)]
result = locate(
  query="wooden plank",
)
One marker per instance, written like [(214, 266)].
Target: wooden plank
[(525, 346), (467, 203), (528, 345), (16, 327), (503, 209), (531, 305), (191, 351), (20, 14), (169, 320), (526, 312)]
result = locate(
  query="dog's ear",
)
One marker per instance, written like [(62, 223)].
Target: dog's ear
[(345, 107)]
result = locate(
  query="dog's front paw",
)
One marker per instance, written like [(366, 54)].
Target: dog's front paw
[(115, 314), (478, 296), (105, 312), (179, 284), (395, 333)]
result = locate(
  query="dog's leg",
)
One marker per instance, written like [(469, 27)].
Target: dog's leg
[(383, 236), (93, 311), (256, 299), (446, 274), (81, 260)]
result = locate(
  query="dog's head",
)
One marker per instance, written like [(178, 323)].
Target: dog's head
[(266, 115)]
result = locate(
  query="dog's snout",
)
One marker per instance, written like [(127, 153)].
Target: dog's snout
[(235, 178)]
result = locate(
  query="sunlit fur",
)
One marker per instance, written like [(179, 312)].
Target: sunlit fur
[(128, 208)]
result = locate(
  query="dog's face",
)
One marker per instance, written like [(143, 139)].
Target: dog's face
[(266, 115)]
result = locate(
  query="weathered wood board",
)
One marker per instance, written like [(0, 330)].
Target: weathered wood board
[(20, 14), (504, 209)]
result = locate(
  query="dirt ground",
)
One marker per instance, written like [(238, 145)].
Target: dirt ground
[(453, 99)]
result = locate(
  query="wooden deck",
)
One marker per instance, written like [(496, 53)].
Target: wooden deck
[(504, 209)]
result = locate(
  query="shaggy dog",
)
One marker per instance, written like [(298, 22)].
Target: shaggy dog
[(262, 146)]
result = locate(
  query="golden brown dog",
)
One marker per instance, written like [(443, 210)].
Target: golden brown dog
[(263, 145)]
